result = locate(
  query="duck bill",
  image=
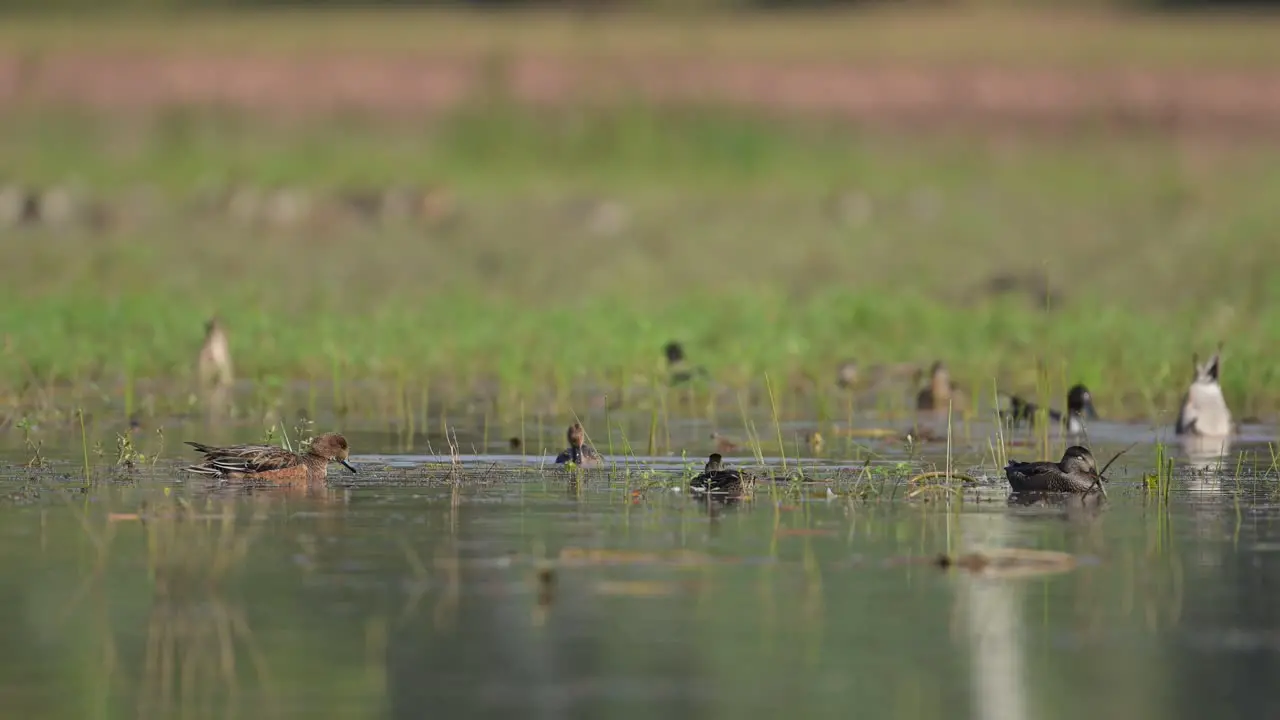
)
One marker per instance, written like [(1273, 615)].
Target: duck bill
[(1099, 482), (1089, 412), (348, 466)]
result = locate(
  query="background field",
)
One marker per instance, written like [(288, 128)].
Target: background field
[(858, 202)]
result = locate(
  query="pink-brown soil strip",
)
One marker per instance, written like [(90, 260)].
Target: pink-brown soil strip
[(120, 83)]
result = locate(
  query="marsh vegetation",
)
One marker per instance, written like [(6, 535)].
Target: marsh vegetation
[(846, 326)]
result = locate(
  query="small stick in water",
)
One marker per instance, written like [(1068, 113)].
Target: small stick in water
[(1102, 473), (1115, 457)]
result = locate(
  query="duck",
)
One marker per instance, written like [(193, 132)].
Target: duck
[(814, 440), (679, 372), (716, 479), (1031, 285), (1079, 408), (939, 392), (847, 374), (214, 359), (1204, 408), (1077, 472), (578, 452), (724, 444), (272, 463)]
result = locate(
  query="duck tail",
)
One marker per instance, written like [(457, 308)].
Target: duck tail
[(201, 470)]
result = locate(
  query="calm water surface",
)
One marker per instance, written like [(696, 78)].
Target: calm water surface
[(515, 592)]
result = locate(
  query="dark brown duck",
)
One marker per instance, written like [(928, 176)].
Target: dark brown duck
[(716, 479), (1077, 472)]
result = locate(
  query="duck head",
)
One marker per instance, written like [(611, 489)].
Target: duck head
[(1078, 459), (674, 352), (1080, 402)]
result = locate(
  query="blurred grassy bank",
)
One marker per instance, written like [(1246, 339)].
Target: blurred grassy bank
[(579, 242), (1083, 37)]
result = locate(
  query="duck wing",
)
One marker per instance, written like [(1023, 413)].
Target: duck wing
[(716, 481), (701, 482), (1045, 477), (1025, 476), (242, 459), (1030, 468)]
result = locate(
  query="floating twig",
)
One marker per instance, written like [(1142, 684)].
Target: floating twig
[(1103, 472), (940, 474)]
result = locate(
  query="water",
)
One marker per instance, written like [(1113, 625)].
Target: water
[(513, 591)]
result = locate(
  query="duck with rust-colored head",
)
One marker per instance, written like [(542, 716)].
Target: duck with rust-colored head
[(1077, 472), (271, 463), (578, 452)]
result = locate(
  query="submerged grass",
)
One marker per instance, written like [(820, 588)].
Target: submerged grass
[(739, 242)]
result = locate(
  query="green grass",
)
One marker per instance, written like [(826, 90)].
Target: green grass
[(1160, 246)]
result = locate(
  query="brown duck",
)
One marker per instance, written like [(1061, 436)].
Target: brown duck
[(1077, 472), (271, 463), (939, 392), (578, 452)]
